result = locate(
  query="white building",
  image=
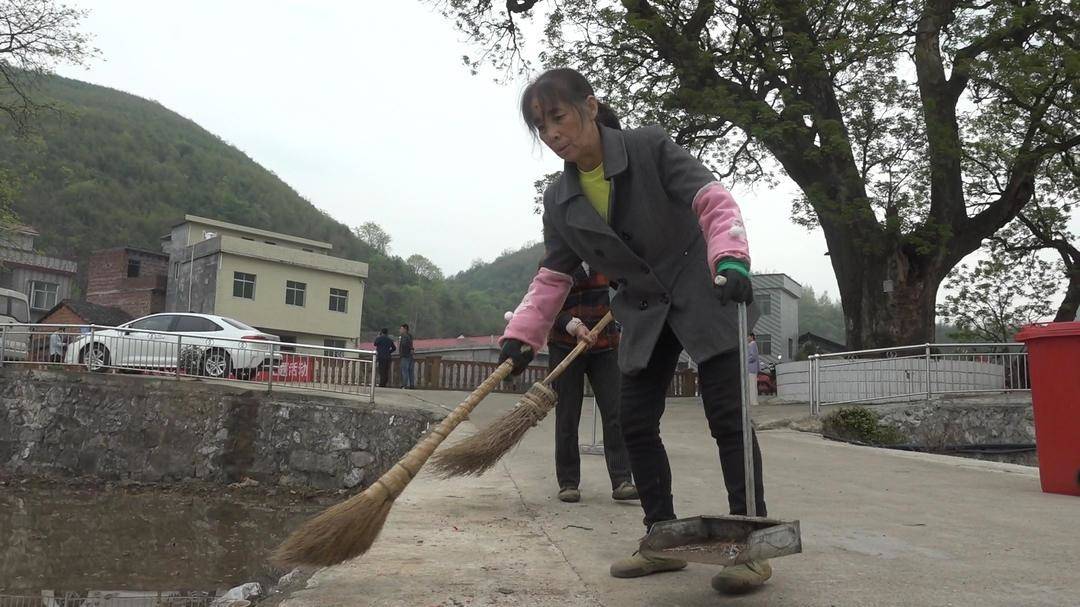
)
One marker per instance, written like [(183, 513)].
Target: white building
[(777, 329)]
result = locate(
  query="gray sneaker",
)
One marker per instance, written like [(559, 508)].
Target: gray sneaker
[(569, 495), (625, 491), (739, 579)]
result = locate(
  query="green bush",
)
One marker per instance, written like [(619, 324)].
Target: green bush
[(861, 425)]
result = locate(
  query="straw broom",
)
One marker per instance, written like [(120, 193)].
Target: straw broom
[(478, 453), (348, 529)]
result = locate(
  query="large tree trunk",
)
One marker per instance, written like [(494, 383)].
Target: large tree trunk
[(888, 298), (1069, 304)]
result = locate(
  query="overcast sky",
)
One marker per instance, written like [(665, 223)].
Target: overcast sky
[(366, 110)]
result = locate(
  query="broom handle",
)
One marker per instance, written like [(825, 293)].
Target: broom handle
[(578, 349), (397, 477)]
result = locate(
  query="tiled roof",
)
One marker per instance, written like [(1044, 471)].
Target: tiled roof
[(94, 314)]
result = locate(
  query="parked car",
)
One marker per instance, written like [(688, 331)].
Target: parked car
[(201, 344), (14, 308)]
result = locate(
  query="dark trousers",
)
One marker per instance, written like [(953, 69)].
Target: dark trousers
[(602, 368), (642, 406), (384, 371)]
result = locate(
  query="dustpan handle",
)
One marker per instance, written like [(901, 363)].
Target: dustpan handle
[(747, 429)]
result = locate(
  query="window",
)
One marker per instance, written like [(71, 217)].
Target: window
[(764, 344), (243, 285), (43, 294), (195, 324), (161, 322), (7, 278), (307, 250), (246, 238), (339, 300), (765, 303), (269, 242), (333, 343), (134, 266), (791, 349), (294, 293)]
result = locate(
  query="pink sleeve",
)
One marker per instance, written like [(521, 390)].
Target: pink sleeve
[(722, 223), (534, 316)]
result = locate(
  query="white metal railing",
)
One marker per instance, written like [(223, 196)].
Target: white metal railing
[(920, 371), (186, 355)]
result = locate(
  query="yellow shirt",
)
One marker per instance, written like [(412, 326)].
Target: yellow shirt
[(597, 189)]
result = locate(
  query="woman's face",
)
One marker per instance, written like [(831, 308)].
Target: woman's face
[(561, 127)]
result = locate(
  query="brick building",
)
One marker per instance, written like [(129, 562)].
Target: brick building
[(131, 279), (71, 312)]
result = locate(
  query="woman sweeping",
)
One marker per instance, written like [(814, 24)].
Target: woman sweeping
[(641, 210)]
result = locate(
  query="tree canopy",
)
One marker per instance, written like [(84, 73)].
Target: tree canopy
[(35, 36), (914, 129)]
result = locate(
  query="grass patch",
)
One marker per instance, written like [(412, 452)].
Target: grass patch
[(861, 425)]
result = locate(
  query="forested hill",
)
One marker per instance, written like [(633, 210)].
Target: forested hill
[(112, 169), (505, 279)]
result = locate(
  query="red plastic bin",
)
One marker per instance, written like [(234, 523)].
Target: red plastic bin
[(1054, 362)]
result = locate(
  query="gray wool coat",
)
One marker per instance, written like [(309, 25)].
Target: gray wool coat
[(653, 251)]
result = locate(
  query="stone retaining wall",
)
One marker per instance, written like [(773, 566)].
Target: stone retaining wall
[(963, 421), (128, 427)]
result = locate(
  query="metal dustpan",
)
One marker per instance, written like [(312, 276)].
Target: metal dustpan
[(722, 540), (727, 540)]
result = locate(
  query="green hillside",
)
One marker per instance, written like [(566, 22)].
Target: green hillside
[(112, 169), (505, 279)]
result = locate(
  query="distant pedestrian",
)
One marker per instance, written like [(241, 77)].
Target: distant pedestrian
[(56, 346), (384, 349), (405, 345), (753, 367)]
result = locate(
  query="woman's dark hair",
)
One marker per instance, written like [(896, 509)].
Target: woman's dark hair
[(563, 85)]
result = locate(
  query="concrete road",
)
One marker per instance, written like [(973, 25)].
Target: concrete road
[(879, 528)]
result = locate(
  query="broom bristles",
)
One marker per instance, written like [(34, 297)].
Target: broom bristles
[(480, 452), (348, 529), (339, 533)]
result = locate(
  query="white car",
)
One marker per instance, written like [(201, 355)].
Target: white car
[(14, 312), (201, 344)]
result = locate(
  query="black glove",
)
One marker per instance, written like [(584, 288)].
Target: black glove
[(517, 351), (736, 287)]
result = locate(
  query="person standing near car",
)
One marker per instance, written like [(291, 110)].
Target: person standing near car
[(384, 350), (56, 346), (405, 345)]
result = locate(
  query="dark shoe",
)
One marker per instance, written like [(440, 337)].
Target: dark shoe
[(625, 491), (569, 495), (640, 565), (739, 579)]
